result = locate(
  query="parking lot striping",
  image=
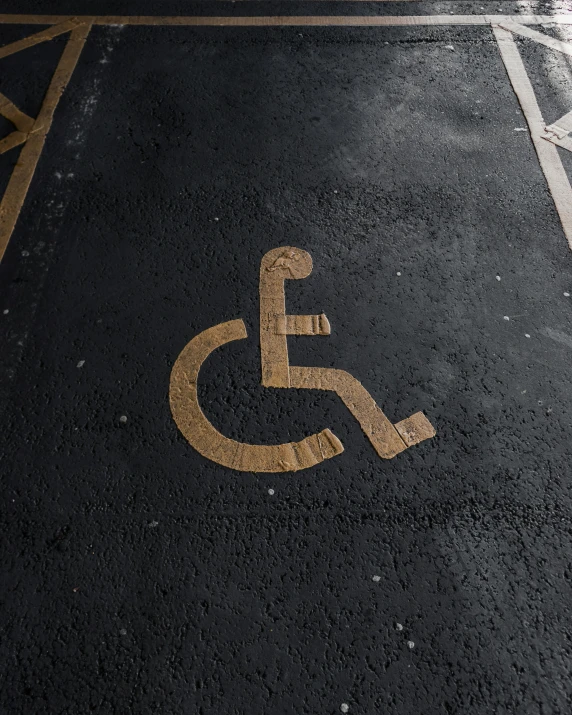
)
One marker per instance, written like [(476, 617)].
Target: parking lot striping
[(26, 165), (552, 42), (560, 132), (19, 119), (548, 156), (291, 20), (13, 139), (23, 172), (47, 34)]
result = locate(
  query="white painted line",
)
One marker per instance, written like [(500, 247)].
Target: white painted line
[(562, 126), (564, 142), (553, 43), (559, 132), (548, 156)]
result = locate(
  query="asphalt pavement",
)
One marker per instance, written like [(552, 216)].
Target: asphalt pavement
[(141, 577)]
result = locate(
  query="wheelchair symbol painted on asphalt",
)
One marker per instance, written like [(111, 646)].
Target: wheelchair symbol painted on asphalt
[(278, 265)]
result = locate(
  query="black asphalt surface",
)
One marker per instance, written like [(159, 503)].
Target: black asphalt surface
[(138, 577)]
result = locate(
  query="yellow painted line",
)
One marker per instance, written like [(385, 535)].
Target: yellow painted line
[(24, 170), (293, 20), (12, 140), (79, 26), (296, 20), (548, 156), (64, 25), (19, 119)]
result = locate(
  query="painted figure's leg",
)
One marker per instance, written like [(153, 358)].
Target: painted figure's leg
[(386, 438)]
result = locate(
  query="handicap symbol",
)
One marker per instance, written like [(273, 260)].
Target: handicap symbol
[(278, 265)]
